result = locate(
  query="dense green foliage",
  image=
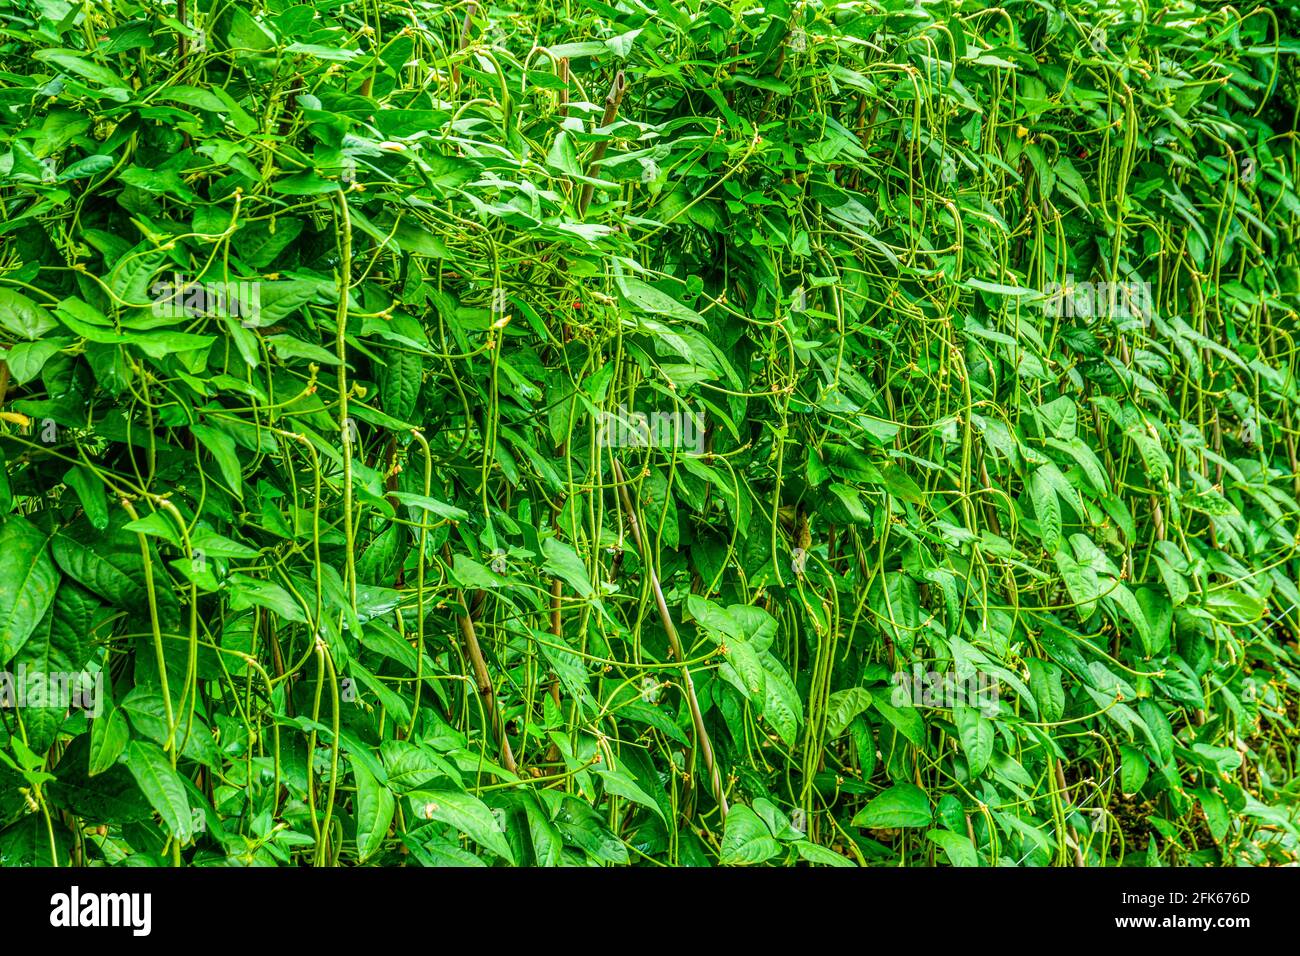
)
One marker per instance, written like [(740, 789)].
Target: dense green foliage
[(370, 573)]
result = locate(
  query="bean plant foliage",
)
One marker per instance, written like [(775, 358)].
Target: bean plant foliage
[(648, 432)]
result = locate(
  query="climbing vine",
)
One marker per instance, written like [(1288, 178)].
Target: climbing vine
[(648, 433)]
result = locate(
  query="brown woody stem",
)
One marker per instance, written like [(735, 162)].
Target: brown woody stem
[(482, 679), (612, 101)]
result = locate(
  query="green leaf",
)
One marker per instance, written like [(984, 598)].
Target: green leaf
[(215, 545), (958, 848), (132, 277), (622, 784), (842, 707), (374, 812), (246, 591), (1234, 607), (259, 244), (70, 62), (746, 839), (1080, 581), (1217, 816), (112, 797), (466, 813), (193, 96), (28, 581), (306, 183), (563, 562), (91, 568), (1133, 769), (900, 484), (162, 786), (976, 733), (647, 298), (26, 359), (819, 855), (548, 841), (288, 347), (21, 316), (1045, 684), (907, 720), (411, 766), (109, 736), (1047, 510), (249, 33), (400, 377), (90, 491), (222, 448), (902, 805), (782, 706), (744, 669)]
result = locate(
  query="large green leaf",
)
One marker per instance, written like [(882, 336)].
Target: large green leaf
[(375, 806), (28, 581), (23, 317), (466, 813), (746, 839), (902, 805), (162, 787)]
